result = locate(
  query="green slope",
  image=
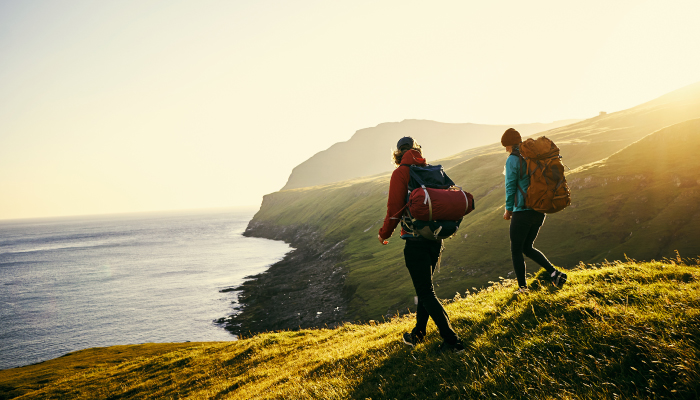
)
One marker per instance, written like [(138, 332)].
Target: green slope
[(595, 227), (643, 201), (621, 331)]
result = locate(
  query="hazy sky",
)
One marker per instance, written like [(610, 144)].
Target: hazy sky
[(121, 106)]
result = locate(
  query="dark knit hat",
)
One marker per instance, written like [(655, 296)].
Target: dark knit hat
[(511, 137), (405, 141)]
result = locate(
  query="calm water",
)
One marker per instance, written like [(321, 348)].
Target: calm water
[(72, 283)]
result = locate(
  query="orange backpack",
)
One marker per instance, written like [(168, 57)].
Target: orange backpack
[(548, 191)]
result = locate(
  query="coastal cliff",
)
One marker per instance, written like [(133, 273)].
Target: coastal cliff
[(303, 290)]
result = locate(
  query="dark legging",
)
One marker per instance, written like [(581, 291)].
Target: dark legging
[(524, 227), (421, 258)]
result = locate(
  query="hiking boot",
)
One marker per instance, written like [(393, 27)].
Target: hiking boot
[(412, 339), (445, 347), (522, 290), (558, 279)]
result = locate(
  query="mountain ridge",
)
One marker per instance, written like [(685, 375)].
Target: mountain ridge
[(340, 161)]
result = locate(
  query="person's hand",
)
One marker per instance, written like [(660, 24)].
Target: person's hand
[(382, 241), (507, 215)]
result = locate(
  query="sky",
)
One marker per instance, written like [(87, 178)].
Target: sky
[(130, 106)]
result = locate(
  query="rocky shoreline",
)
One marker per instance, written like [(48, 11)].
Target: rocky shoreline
[(304, 290)]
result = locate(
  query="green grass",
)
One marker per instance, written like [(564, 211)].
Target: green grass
[(19, 381), (621, 330)]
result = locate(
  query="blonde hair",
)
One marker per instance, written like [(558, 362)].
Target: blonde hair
[(397, 155)]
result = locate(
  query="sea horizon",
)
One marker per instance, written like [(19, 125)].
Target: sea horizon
[(75, 282), (121, 214)]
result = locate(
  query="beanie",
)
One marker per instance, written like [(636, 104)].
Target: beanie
[(511, 137), (406, 140)]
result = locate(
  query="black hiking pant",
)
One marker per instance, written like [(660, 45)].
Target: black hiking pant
[(421, 258), (524, 227)]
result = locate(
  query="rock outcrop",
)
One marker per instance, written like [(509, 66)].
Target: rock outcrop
[(304, 290)]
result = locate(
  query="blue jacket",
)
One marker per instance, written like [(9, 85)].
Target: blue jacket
[(516, 178)]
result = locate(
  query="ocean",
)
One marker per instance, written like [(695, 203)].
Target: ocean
[(72, 283)]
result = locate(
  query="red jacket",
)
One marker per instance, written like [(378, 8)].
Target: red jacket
[(398, 189)]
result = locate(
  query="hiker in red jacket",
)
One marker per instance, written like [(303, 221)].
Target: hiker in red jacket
[(421, 255)]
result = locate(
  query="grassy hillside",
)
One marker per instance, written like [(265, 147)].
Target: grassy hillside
[(635, 202), (616, 191), (373, 145), (616, 331)]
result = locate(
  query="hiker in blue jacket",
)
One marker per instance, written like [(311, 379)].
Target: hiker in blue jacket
[(525, 222)]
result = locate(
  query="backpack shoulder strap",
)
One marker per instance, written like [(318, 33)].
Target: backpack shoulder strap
[(523, 171), (413, 176)]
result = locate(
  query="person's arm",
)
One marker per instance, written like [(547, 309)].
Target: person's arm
[(398, 188), (512, 167)]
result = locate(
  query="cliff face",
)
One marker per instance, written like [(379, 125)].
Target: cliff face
[(304, 290)]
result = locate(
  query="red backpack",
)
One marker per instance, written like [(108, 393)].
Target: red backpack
[(435, 206)]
